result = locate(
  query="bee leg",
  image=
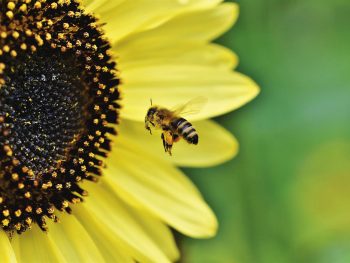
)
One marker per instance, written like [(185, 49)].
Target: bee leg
[(167, 138), (164, 143), (149, 129), (147, 126)]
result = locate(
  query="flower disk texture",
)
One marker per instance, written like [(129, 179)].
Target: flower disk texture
[(58, 98)]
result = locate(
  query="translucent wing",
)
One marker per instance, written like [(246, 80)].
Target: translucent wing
[(192, 107)]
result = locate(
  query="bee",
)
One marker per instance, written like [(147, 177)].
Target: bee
[(173, 126)]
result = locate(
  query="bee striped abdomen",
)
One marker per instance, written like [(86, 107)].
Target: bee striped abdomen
[(185, 129)]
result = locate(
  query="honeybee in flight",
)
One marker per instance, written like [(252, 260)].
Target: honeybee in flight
[(173, 126)]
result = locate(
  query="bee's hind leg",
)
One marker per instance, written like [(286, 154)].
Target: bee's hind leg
[(164, 143), (167, 138)]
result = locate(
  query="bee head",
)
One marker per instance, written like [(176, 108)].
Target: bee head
[(150, 116), (151, 112)]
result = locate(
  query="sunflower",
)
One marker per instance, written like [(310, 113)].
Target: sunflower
[(75, 83)]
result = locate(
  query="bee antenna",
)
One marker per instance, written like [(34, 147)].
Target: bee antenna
[(151, 102)]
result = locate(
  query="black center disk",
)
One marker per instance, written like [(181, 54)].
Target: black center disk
[(45, 104), (58, 106)]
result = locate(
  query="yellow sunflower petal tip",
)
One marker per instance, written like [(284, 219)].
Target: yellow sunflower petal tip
[(234, 11), (254, 89), (211, 228)]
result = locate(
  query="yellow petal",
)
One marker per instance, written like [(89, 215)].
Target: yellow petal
[(201, 25), (158, 231), (6, 251), (106, 6), (169, 85), (93, 5), (110, 246), (184, 7), (144, 53), (132, 16), (34, 246), (162, 189), (110, 211), (216, 145), (73, 241)]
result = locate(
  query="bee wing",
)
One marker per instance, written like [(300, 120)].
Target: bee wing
[(191, 107)]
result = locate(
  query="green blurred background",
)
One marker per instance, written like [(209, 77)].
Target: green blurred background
[(286, 197)]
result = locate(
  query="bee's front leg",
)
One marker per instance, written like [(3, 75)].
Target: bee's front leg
[(167, 138), (148, 129), (147, 126)]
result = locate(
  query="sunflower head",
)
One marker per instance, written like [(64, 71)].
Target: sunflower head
[(58, 97), (59, 103)]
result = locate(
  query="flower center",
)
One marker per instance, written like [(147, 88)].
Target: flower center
[(44, 111), (58, 99)]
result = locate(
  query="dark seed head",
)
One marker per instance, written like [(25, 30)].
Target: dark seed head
[(58, 99)]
